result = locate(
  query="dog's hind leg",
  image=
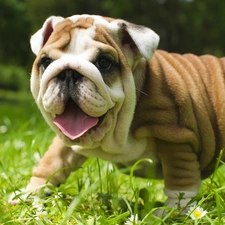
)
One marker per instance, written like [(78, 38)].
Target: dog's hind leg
[(181, 172)]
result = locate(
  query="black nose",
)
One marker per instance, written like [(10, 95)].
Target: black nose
[(69, 74)]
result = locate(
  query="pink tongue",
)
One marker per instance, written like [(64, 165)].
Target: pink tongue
[(73, 122)]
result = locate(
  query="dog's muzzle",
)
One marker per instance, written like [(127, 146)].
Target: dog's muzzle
[(73, 122), (73, 90), (68, 81), (68, 74)]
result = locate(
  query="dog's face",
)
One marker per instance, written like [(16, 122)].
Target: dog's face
[(85, 76)]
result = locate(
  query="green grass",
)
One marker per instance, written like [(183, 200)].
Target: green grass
[(95, 194)]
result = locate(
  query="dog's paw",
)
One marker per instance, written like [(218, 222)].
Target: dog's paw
[(178, 202), (17, 196), (24, 193), (175, 206)]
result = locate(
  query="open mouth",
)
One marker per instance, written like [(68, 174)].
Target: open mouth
[(74, 122)]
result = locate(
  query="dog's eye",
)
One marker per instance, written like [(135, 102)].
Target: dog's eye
[(45, 62), (104, 62)]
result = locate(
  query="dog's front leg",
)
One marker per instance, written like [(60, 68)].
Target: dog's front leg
[(181, 171), (56, 165)]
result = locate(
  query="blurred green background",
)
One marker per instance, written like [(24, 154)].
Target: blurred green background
[(195, 26)]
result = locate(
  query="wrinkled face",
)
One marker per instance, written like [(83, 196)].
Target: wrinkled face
[(82, 78), (79, 83)]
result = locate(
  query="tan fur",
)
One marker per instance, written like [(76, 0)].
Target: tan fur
[(59, 159), (179, 114), (181, 106)]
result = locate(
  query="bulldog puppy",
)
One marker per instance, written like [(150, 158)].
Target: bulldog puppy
[(106, 93)]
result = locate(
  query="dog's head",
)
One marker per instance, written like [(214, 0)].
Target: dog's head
[(85, 77)]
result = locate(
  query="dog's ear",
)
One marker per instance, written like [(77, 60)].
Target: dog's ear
[(142, 40), (39, 39)]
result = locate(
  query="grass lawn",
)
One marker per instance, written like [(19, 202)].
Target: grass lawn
[(95, 194)]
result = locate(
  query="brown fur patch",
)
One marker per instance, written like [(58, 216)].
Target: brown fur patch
[(184, 103)]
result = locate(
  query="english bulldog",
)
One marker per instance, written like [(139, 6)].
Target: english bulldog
[(106, 92)]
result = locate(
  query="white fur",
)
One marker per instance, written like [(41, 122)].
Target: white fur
[(82, 66), (180, 198), (111, 140), (114, 143), (78, 56), (37, 39), (145, 39)]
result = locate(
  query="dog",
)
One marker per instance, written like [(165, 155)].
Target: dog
[(107, 92)]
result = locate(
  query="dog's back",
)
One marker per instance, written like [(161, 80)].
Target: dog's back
[(186, 103)]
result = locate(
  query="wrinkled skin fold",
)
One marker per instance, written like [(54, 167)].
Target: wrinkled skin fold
[(106, 91)]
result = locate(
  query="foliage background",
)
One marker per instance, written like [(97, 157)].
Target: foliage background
[(195, 26)]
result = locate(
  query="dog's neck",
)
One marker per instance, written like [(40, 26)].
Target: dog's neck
[(139, 77)]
